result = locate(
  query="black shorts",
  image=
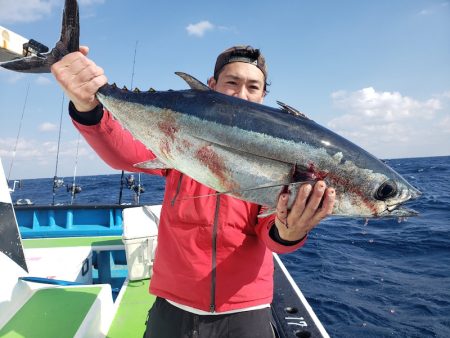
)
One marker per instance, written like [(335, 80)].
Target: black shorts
[(168, 321)]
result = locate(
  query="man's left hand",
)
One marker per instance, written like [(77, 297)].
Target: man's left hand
[(307, 210)]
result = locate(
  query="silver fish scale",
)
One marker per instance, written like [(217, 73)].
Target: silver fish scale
[(255, 166)]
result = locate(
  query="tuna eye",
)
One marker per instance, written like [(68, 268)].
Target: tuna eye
[(386, 190)]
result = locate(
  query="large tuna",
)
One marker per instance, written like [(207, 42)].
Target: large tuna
[(244, 149)]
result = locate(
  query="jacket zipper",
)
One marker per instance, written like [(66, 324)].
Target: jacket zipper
[(212, 306), (178, 191)]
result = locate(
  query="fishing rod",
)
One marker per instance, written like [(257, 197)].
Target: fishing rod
[(75, 189), (138, 189), (58, 182), (17, 140)]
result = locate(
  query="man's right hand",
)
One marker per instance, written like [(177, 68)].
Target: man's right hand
[(80, 79)]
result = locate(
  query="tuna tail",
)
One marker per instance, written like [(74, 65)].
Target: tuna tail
[(68, 42)]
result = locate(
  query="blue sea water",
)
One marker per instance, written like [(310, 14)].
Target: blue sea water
[(384, 278)]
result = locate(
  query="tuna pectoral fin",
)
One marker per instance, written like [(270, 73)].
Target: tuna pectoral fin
[(152, 164), (267, 212)]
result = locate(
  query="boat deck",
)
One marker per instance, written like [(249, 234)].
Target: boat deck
[(100, 243), (290, 310), (132, 310), (134, 300), (54, 312), (126, 316), (47, 311)]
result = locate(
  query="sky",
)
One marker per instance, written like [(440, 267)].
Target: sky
[(375, 72)]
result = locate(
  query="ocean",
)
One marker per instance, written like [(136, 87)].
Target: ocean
[(381, 278)]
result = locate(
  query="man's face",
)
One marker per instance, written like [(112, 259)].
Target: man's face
[(241, 80)]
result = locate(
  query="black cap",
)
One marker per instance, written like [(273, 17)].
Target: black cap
[(243, 53)]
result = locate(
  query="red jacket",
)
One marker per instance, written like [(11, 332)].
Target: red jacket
[(214, 253)]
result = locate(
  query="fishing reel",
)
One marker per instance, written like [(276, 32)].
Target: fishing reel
[(131, 184), (57, 182), (15, 184), (73, 189)]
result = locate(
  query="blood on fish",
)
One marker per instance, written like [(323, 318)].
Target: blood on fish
[(183, 145), (215, 163), (168, 127), (186, 144), (336, 180), (209, 157), (316, 174)]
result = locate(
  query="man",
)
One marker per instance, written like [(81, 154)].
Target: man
[(213, 270)]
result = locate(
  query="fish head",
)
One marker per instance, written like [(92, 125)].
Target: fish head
[(390, 196), (370, 193)]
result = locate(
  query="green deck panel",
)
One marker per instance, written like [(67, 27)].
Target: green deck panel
[(132, 312), (71, 241), (51, 313)]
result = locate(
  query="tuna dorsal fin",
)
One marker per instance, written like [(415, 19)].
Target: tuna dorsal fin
[(291, 110), (152, 164), (193, 82)]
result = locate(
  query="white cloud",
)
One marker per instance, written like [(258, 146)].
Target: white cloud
[(42, 151), (43, 80), (199, 29), (445, 124), (389, 124), (25, 10), (434, 8), (12, 77), (13, 11), (25, 148), (41, 156), (425, 12), (47, 126)]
